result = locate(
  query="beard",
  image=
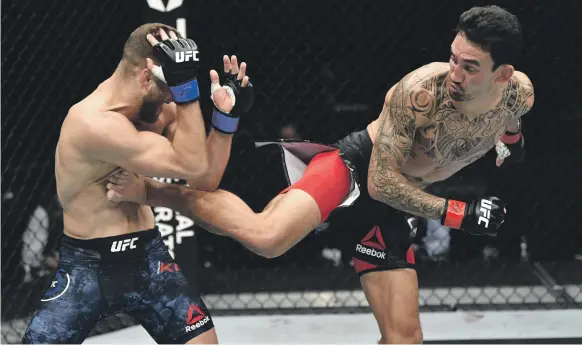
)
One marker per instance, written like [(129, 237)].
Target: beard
[(457, 96), (149, 111), (460, 95)]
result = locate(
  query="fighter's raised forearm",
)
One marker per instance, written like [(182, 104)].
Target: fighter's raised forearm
[(218, 146), (224, 123), (395, 190)]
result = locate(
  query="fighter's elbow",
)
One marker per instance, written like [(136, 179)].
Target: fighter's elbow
[(196, 172), (372, 188), (204, 184), (207, 183), (381, 187)]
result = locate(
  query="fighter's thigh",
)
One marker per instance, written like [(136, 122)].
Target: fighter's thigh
[(305, 204), (172, 312), (69, 309), (393, 297), (384, 259)]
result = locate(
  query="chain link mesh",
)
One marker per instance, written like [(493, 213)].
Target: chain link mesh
[(321, 70)]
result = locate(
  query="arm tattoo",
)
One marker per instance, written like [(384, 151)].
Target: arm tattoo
[(392, 147)]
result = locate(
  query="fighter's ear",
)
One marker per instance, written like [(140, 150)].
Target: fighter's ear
[(504, 74), (145, 76)]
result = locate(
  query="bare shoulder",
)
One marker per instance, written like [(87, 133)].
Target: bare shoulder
[(419, 92), (519, 94), (522, 78), (87, 125), (423, 82)]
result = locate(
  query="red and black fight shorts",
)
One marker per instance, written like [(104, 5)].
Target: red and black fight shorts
[(384, 239), (382, 236)]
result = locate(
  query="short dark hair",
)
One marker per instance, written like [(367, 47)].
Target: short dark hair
[(494, 30), (137, 48)]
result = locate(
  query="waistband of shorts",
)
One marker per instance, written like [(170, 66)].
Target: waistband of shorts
[(126, 243)]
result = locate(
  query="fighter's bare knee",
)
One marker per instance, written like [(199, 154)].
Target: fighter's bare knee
[(403, 332), (400, 327), (268, 243), (285, 221)]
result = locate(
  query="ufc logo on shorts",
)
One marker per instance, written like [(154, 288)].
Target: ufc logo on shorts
[(372, 252), (486, 211), (187, 56), (121, 246)]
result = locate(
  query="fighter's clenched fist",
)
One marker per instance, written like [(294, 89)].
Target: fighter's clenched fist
[(126, 186)]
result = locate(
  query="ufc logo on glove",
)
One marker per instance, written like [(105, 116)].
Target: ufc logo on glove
[(486, 210), (190, 55)]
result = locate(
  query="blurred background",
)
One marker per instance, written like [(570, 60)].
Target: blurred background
[(321, 69)]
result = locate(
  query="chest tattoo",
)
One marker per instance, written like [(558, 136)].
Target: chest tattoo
[(453, 137)]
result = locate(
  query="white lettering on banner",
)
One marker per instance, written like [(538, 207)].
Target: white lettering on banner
[(172, 235), (165, 229), (174, 227), (158, 5), (183, 222), (486, 211)]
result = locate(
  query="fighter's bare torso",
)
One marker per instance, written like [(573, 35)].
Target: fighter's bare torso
[(81, 180), (450, 140)]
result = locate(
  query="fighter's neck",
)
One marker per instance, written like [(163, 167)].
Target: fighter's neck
[(120, 97)]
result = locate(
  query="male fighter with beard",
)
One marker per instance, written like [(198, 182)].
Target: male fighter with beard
[(435, 121), (112, 259)]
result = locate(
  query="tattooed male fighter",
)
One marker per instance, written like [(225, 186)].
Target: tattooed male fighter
[(436, 120), (112, 258)]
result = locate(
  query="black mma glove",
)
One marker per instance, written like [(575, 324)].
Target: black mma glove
[(244, 98), (510, 147), (180, 63), (483, 216)]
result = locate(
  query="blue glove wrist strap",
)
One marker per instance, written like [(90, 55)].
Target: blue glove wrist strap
[(187, 92), (223, 122)]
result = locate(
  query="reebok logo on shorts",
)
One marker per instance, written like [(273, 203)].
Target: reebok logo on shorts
[(373, 244), (196, 318)]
